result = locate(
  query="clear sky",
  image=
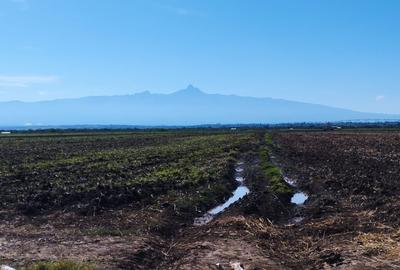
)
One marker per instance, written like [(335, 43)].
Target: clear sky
[(343, 53)]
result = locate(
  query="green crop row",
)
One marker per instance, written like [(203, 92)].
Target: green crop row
[(272, 172)]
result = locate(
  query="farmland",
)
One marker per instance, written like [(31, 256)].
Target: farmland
[(127, 200), (93, 173), (113, 184)]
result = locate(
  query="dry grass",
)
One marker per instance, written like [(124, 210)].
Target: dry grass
[(384, 244)]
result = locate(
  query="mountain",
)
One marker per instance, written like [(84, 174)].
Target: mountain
[(189, 106)]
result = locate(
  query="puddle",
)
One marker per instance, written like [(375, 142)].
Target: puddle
[(290, 181), (237, 194), (239, 179), (299, 198)]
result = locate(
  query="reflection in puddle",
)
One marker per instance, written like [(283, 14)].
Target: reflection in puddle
[(290, 181), (237, 194), (299, 198)]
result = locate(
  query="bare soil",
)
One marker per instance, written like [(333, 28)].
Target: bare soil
[(350, 221)]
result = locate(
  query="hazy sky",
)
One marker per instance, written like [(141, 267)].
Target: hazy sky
[(341, 53)]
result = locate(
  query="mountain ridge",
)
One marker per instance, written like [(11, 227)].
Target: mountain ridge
[(189, 106)]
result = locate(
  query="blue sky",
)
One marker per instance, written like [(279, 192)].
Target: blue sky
[(343, 53)]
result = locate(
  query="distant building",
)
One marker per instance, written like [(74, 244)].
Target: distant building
[(5, 132), (233, 129)]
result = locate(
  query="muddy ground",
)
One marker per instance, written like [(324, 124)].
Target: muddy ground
[(350, 220)]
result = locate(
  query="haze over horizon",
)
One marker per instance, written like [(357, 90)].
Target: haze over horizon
[(342, 54)]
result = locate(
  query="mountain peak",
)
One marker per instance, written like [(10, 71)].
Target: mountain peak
[(190, 90)]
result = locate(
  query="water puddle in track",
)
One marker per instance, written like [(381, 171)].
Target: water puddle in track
[(299, 198), (237, 194), (290, 181)]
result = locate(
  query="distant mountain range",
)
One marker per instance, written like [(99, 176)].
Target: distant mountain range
[(189, 106)]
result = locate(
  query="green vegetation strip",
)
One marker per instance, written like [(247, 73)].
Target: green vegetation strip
[(272, 172)]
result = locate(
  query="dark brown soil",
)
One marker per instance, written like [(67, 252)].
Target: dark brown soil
[(351, 218)]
